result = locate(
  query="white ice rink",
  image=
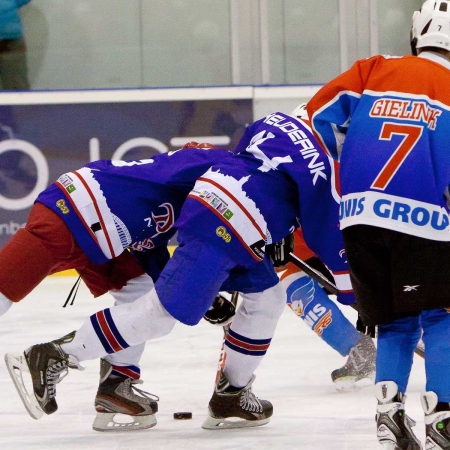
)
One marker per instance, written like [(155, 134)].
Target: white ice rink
[(295, 376)]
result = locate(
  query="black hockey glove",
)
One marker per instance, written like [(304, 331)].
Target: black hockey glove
[(279, 251), (220, 312), (368, 331)]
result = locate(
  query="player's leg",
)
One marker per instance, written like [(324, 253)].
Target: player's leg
[(44, 246), (311, 303), (27, 248), (246, 343), (123, 326), (395, 349), (436, 399), (120, 372), (370, 257), (108, 331)]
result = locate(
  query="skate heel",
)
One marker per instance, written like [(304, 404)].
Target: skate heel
[(120, 405)]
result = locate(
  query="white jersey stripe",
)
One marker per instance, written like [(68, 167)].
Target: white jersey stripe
[(87, 197)]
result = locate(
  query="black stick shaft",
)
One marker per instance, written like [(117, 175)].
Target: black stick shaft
[(314, 274)]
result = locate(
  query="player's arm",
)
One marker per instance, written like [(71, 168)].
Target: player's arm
[(331, 108)]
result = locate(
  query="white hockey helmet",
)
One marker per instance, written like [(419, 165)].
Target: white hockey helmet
[(300, 112), (431, 26)]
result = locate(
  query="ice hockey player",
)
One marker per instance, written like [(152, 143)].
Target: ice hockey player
[(87, 220), (387, 120), (309, 301), (276, 179)]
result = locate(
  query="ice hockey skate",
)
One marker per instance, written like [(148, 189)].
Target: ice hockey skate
[(230, 408), (360, 364), (393, 425), (47, 365), (437, 423), (120, 405)]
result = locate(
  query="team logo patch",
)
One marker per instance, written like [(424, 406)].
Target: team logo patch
[(217, 203), (61, 204), (222, 232), (67, 182)]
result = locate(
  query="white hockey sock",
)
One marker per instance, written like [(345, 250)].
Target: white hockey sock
[(134, 289), (86, 344), (5, 304), (128, 357), (251, 332), (137, 322)]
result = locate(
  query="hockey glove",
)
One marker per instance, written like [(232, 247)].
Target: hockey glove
[(220, 312), (346, 298), (368, 331), (279, 251)]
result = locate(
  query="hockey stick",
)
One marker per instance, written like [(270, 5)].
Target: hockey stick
[(221, 364), (233, 300), (314, 274)]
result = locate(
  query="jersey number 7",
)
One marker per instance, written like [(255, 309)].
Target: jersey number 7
[(411, 135)]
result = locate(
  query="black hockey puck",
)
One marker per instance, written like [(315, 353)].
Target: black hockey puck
[(182, 415)]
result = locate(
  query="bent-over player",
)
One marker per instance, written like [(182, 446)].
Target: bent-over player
[(277, 179), (88, 220)]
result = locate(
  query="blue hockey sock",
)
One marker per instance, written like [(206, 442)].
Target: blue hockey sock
[(310, 302), (436, 329), (396, 343)]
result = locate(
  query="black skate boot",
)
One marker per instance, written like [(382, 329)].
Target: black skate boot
[(48, 365), (360, 364), (119, 395), (437, 421), (393, 425), (236, 408)]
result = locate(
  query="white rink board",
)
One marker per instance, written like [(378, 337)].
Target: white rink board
[(309, 414)]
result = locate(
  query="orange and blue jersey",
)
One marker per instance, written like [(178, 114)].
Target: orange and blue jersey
[(392, 142)]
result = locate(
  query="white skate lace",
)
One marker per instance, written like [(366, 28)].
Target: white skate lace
[(132, 392), (249, 402), (55, 373)]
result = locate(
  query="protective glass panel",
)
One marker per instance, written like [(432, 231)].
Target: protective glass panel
[(132, 43), (304, 40), (394, 24), (186, 42)]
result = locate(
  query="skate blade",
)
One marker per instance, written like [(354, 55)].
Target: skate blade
[(389, 445), (211, 423), (352, 383), (17, 365), (116, 422)]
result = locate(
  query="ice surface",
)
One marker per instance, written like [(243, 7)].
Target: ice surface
[(181, 367)]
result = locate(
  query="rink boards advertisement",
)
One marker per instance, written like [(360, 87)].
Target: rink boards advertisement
[(39, 142)]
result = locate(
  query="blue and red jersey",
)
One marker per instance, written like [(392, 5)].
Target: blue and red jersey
[(278, 180), (113, 205)]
